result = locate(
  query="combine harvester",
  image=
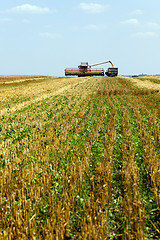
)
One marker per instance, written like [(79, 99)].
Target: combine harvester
[(86, 70)]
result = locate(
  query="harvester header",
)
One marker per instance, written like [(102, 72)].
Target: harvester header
[(84, 69)]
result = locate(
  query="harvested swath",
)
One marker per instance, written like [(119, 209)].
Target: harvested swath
[(127, 92), (144, 92), (114, 92), (7, 78), (144, 84), (132, 205)]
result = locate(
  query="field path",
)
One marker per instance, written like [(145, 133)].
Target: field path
[(144, 83)]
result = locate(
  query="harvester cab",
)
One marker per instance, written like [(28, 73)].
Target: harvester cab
[(83, 65), (84, 69)]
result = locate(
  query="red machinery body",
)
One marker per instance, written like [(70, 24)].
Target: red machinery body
[(84, 72)]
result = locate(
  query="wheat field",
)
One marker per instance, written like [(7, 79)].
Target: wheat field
[(79, 158)]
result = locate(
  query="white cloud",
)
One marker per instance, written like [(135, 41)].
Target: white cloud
[(28, 8), (153, 25), (143, 29), (91, 27), (132, 21), (145, 26), (95, 27), (137, 12), (93, 7), (4, 20), (26, 21), (50, 35), (74, 28), (145, 34)]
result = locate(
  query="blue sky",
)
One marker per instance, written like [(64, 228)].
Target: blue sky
[(45, 37)]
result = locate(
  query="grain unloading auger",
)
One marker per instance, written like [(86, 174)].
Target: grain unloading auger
[(84, 69)]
